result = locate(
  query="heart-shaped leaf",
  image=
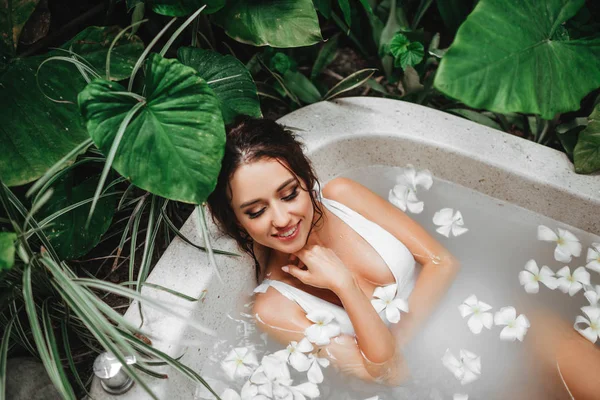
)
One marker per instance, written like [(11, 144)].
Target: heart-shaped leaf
[(174, 145), (228, 78), (181, 8), (508, 56), (276, 23), (587, 150), (37, 132), (7, 250), (66, 234)]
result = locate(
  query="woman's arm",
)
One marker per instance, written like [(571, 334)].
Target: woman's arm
[(439, 266)]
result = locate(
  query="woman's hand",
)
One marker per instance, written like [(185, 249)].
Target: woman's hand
[(324, 269)]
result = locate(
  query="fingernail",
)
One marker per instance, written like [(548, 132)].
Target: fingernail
[(286, 269)]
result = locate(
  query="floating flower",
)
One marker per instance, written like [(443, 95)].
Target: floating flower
[(466, 369), (404, 194), (593, 257), (567, 245), (459, 396), (479, 317), (315, 375), (572, 284), (385, 301), (239, 363), (323, 329), (592, 332), (516, 327), (294, 354), (449, 221), (307, 389), (593, 296), (532, 275)]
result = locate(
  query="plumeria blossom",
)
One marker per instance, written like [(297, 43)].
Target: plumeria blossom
[(271, 377), (479, 316), (593, 257), (516, 327), (460, 396), (532, 276), (567, 245), (239, 363), (294, 354), (572, 283), (593, 296), (404, 193), (466, 369), (592, 332), (315, 375), (323, 329), (385, 300), (449, 222)]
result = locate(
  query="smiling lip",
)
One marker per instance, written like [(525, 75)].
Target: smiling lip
[(292, 236)]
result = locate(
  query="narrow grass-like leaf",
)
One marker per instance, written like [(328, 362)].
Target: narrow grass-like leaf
[(162, 288), (67, 346), (279, 79), (423, 7), (134, 235), (3, 353), (326, 56), (82, 147), (111, 155), (350, 82), (176, 34), (140, 60), (205, 235), (152, 227), (114, 42), (80, 66), (24, 337)]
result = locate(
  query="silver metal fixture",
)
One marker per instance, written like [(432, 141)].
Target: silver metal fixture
[(113, 377)]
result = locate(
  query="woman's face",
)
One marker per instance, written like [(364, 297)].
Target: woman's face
[(271, 206)]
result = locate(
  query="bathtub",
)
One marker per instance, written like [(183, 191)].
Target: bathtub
[(340, 135)]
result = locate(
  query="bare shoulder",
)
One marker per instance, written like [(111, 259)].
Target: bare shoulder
[(275, 309), (352, 194)]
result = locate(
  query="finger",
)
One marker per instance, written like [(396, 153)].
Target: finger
[(296, 272)]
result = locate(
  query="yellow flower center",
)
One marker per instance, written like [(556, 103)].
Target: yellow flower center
[(560, 241)]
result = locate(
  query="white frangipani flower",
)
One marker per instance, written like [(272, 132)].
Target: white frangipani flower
[(532, 275), (294, 354), (315, 375), (404, 194), (303, 390), (479, 317), (239, 363), (466, 369), (592, 332), (385, 301), (516, 327), (323, 329), (572, 283), (593, 257), (460, 396), (567, 245), (593, 296), (449, 222)]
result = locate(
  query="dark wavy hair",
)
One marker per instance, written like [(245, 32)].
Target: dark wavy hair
[(250, 140)]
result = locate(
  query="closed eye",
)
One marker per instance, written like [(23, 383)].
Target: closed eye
[(289, 197)]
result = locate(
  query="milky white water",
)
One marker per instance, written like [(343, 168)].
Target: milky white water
[(500, 240)]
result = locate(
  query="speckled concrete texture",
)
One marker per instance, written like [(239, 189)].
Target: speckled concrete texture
[(350, 133)]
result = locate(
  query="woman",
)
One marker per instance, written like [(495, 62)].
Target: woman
[(329, 251)]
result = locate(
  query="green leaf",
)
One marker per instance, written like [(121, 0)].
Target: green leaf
[(280, 62), (302, 87), (412, 56), (277, 23), (503, 59), (228, 78), (399, 44), (182, 8), (4, 345), (324, 7), (587, 150), (66, 234), (326, 55), (37, 132), (350, 82), (13, 16), (346, 11), (7, 250), (173, 147), (454, 12)]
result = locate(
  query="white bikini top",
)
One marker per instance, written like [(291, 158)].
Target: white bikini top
[(395, 254)]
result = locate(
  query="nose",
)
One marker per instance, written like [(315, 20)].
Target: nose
[(281, 218)]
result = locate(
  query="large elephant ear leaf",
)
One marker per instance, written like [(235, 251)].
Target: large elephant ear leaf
[(228, 78), (174, 145), (7, 250), (276, 23), (516, 56), (181, 8), (586, 154)]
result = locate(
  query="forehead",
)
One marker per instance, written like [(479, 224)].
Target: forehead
[(258, 179)]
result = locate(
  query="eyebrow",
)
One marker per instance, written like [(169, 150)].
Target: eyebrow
[(283, 185)]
